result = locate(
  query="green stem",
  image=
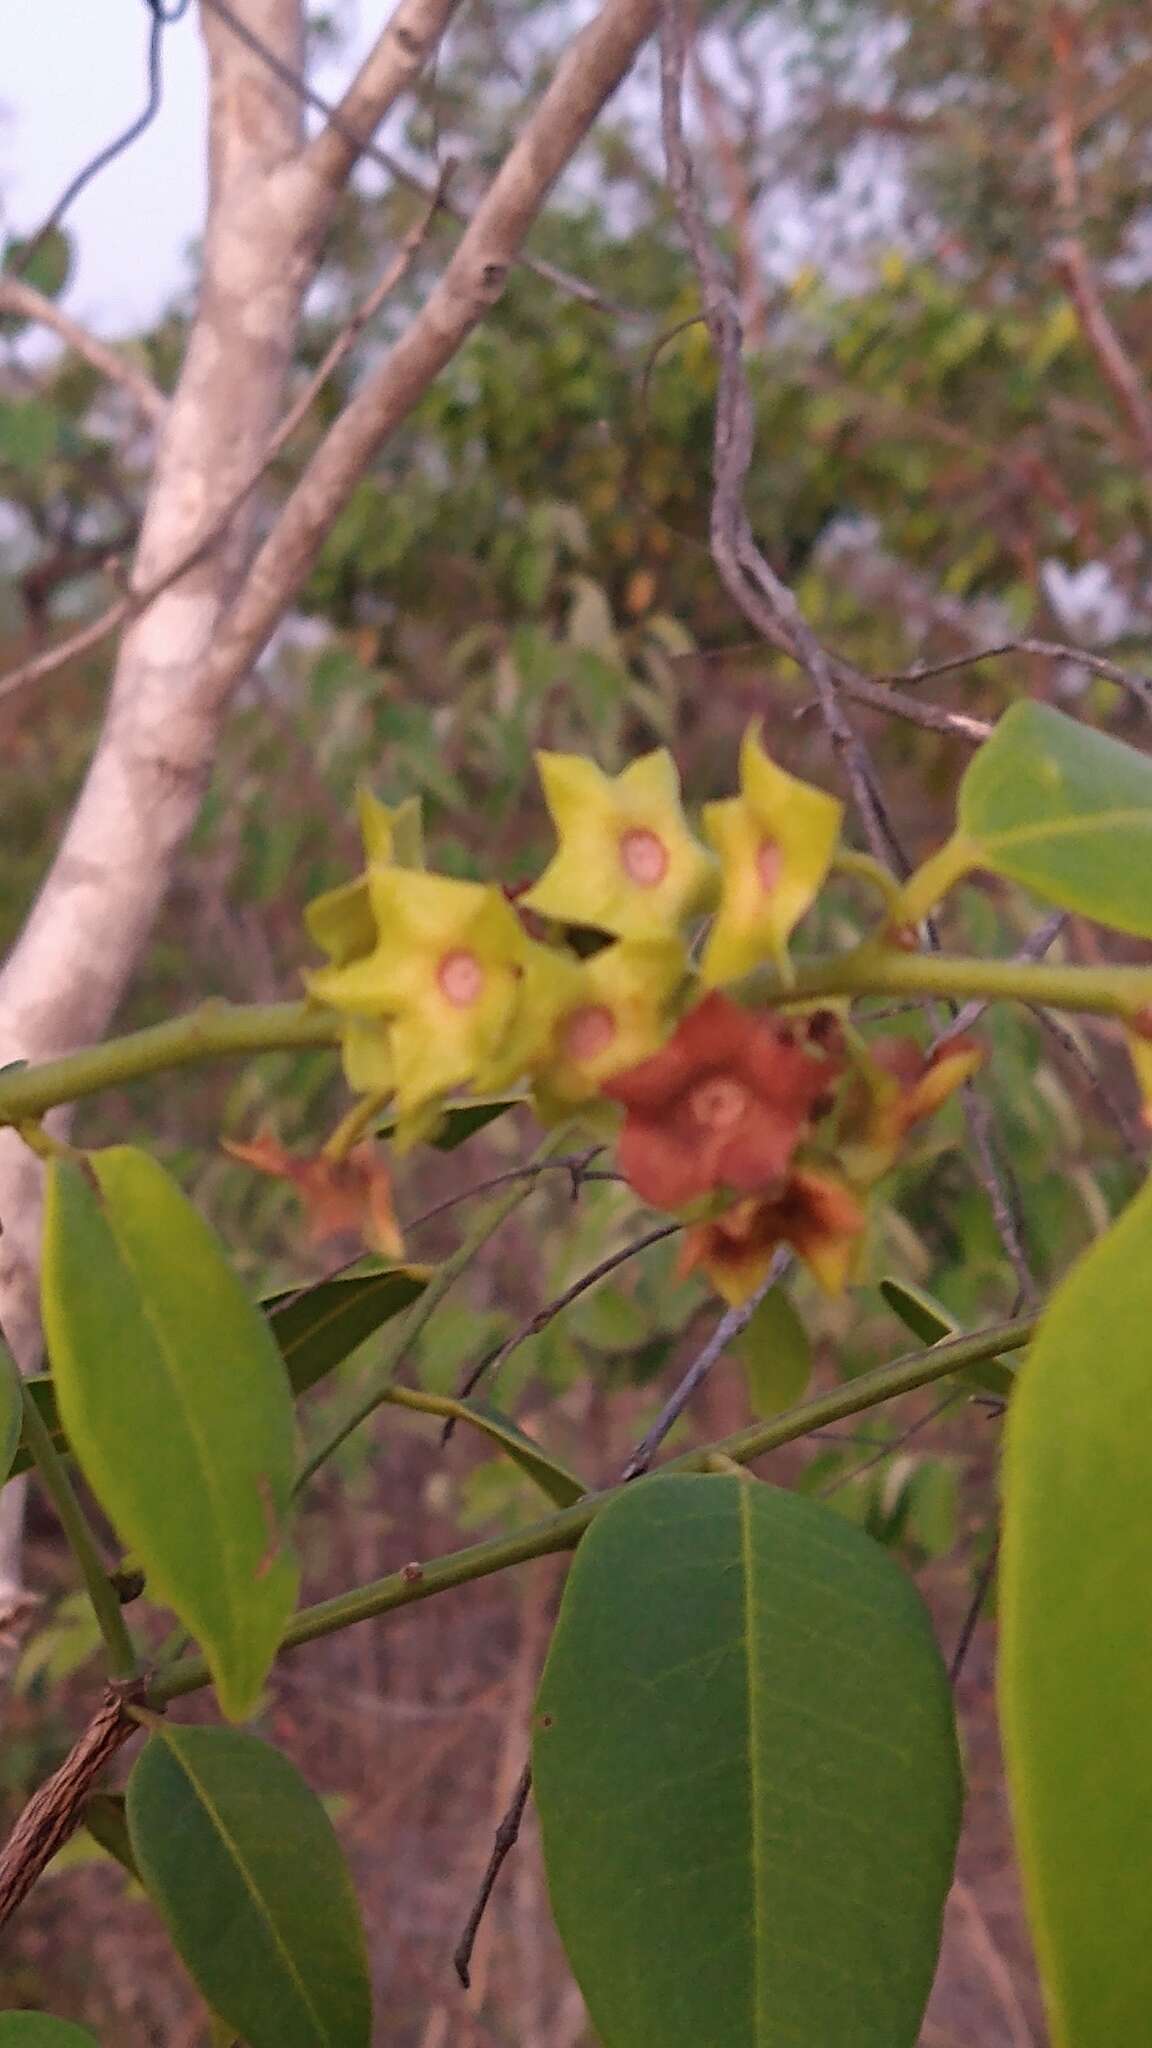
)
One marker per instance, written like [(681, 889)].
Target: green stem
[(215, 1030), (122, 1660), (879, 970), (947, 866), (563, 1531), (368, 1397), (862, 868), (224, 1031)]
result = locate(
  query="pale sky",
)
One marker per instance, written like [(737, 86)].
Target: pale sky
[(72, 75)]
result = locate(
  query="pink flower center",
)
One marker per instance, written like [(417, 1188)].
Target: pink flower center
[(587, 1032), (719, 1103), (461, 978), (769, 863), (644, 856)]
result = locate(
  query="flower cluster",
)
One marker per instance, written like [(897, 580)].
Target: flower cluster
[(601, 990)]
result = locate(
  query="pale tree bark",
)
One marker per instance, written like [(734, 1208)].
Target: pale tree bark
[(271, 200)]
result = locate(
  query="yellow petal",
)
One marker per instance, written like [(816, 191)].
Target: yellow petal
[(446, 971), (366, 1047), (391, 835), (626, 862), (946, 1074), (341, 922), (776, 841)]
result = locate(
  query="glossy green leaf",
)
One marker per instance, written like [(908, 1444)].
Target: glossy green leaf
[(11, 1411), (318, 1327), (776, 1353), (1075, 1674), (746, 1769), (175, 1401), (1067, 812), (40, 2030), (921, 1313), (241, 1860)]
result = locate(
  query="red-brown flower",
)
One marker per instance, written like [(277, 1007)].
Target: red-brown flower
[(817, 1214), (723, 1105), (341, 1197)]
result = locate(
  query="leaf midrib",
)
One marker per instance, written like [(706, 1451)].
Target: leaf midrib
[(230, 1844), (1083, 823)]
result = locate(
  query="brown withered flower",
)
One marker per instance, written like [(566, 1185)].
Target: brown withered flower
[(816, 1214), (344, 1197)]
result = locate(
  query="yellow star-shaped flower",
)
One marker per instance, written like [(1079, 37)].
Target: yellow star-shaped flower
[(445, 973), (776, 841), (596, 1016), (343, 925), (627, 862)]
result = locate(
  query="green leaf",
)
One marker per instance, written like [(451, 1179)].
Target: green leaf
[(11, 1410), (776, 1353), (50, 266), (174, 1399), (29, 433), (927, 1319), (107, 1823), (746, 1769), (319, 1327), (555, 1480), (932, 1507), (1065, 811), (39, 2030), (243, 1863), (316, 1328), (461, 1120), (1075, 1674)]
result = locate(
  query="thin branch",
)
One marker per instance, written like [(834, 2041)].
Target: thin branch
[(729, 1327), (373, 1389), (390, 69), (563, 1531), (163, 16), (134, 603), (1132, 1131), (588, 73), (1071, 260), (1034, 948), (505, 1841), (575, 1166), (493, 1360), (1001, 1187), (980, 1591), (563, 280), (1138, 686), (882, 1451), (763, 598), (53, 1475), (24, 300)]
